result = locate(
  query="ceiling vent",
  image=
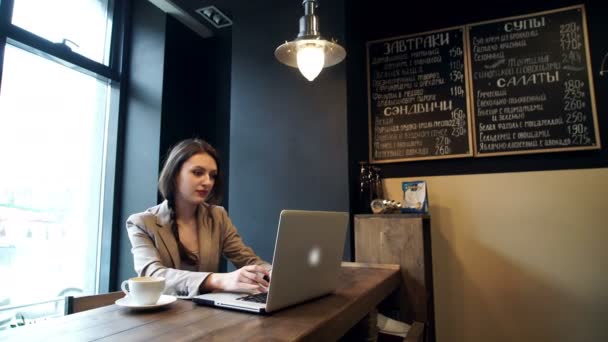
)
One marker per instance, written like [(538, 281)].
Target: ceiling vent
[(216, 17)]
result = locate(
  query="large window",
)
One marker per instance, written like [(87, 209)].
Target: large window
[(57, 109)]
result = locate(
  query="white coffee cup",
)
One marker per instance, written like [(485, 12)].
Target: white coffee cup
[(143, 290)]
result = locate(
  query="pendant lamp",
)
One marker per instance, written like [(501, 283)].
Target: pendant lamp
[(309, 52)]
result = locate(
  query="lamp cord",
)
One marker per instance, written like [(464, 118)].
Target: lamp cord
[(309, 7)]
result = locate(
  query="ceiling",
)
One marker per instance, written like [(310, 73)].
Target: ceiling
[(185, 11)]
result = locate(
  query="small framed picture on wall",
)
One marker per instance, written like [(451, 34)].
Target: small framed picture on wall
[(415, 197)]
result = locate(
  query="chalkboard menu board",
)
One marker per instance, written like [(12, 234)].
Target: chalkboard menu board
[(418, 103), (531, 84)]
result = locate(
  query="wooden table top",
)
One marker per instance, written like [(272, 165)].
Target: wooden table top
[(362, 287)]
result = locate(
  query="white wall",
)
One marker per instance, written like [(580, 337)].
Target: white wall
[(519, 256)]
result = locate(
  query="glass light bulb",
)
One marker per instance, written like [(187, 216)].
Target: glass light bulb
[(311, 58)]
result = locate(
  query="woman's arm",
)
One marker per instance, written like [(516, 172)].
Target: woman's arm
[(248, 279), (234, 248), (253, 273)]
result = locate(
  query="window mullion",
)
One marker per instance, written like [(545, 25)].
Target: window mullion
[(6, 10), (117, 11)]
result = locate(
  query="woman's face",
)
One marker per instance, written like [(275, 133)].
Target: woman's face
[(196, 178)]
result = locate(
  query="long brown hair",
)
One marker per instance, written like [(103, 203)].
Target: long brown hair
[(167, 184)]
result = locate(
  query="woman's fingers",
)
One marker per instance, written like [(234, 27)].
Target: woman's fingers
[(246, 280), (255, 274), (248, 288), (256, 268), (261, 289)]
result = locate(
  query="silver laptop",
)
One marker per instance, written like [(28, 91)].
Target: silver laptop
[(306, 263)]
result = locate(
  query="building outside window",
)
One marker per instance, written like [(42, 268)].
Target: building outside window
[(59, 88)]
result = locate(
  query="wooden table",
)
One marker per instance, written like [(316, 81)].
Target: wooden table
[(362, 287)]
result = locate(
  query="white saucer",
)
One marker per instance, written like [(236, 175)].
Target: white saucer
[(164, 300)]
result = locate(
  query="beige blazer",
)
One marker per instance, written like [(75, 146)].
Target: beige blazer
[(155, 251)]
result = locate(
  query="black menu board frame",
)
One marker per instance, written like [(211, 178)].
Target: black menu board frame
[(531, 84), (411, 74)]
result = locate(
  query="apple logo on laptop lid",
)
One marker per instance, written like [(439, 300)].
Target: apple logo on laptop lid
[(314, 256)]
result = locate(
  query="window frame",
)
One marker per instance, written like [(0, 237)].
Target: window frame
[(113, 73)]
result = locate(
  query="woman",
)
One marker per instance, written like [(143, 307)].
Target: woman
[(182, 238)]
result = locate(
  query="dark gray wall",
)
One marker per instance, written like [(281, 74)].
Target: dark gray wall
[(142, 127), (288, 144), (196, 89)]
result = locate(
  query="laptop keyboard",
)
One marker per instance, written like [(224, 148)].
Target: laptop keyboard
[(257, 298)]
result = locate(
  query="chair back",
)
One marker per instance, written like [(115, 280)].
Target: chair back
[(82, 303)]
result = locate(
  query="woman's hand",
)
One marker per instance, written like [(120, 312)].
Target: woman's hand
[(249, 279)]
